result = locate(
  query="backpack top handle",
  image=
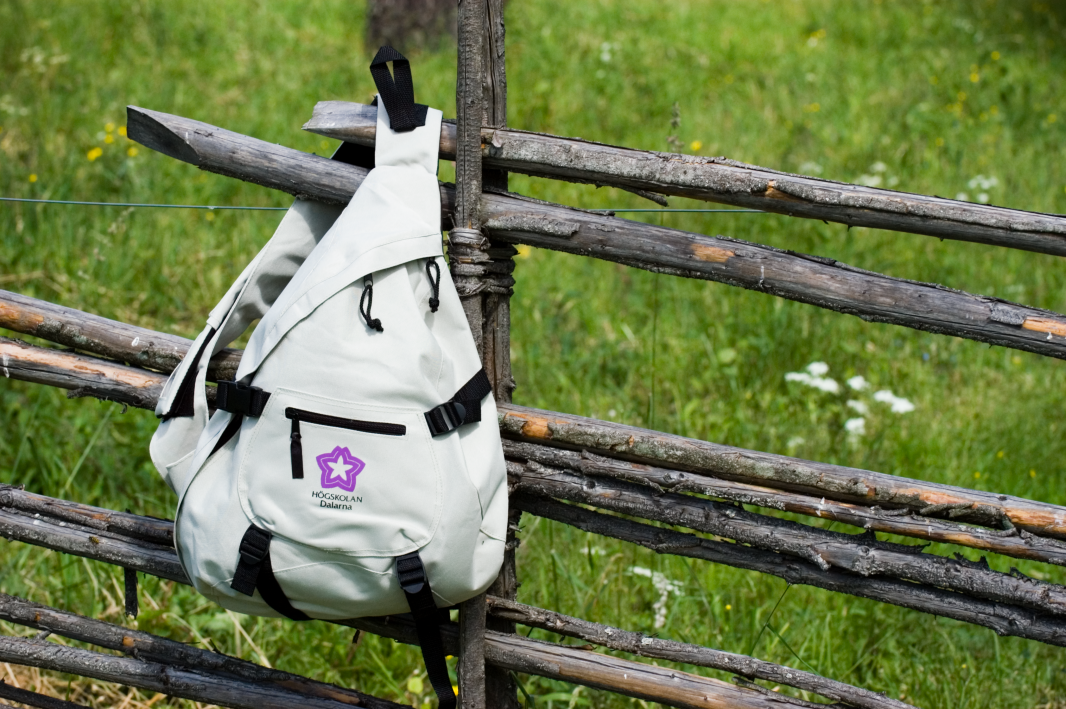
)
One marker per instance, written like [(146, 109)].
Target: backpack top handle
[(397, 90)]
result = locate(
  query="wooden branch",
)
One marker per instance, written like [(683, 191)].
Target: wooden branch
[(152, 648), (84, 376), (633, 679), (33, 699), (727, 182), (862, 554), (149, 529), (504, 650), (620, 442), (814, 280), (640, 445), (107, 338), (1003, 618), (1010, 542), (674, 651), (197, 685)]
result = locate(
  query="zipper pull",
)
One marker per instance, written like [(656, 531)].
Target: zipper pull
[(366, 301), (296, 450), (434, 281)]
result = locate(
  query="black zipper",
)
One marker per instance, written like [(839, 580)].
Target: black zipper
[(298, 415)]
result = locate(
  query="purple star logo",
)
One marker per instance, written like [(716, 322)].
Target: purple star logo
[(339, 468)]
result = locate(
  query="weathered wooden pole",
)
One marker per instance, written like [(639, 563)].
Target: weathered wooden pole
[(818, 281), (467, 256)]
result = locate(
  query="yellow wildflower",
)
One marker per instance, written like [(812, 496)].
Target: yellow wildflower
[(524, 251), (132, 152), (728, 607), (1032, 473), (109, 139), (995, 56), (94, 153), (122, 131), (812, 107), (939, 142), (110, 127), (33, 177), (974, 77), (210, 216), (977, 474), (696, 145)]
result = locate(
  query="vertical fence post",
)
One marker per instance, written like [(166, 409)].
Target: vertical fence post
[(500, 690), (467, 256)]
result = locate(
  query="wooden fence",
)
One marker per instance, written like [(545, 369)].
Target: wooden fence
[(619, 481)]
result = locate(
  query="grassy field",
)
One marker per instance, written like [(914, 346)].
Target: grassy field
[(940, 98)]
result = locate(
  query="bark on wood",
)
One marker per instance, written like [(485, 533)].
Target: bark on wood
[(504, 650), (152, 648), (409, 24), (648, 682), (1010, 542), (69, 538), (472, 653), (808, 279), (1003, 618), (862, 554), (107, 338), (674, 651), (464, 251), (84, 376), (197, 685), (149, 529), (728, 182), (33, 699), (822, 479), (566, 431)]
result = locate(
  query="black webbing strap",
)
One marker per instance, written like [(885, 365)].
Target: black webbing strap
[(399, 94), (254, 572), (241, 399), (464, 407), (415, 585), (182, 405)]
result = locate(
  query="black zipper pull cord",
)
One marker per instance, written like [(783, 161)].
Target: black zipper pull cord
[(367, 300), (296, 449), (434, 302)]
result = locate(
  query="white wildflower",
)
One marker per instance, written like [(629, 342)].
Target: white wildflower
[(869, 180), (898, 404), (983, 198), (855, 426), (810, 168), (981, 182), (859, 407), (858, 382), (818, 369), (813, 378), (796, 442), (962, 197), (664, 586), (878, 167), (605, 52)]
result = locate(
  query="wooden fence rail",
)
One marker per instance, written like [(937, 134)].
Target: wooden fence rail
[(122, 539), (901, 505), (510, 218), (1024, 611), (725, 181)]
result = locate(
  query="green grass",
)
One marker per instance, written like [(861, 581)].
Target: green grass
[(938, 93)]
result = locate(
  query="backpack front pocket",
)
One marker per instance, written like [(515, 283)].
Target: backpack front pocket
[(360, 479)]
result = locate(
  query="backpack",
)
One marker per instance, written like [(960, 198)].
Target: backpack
[(354, 467)]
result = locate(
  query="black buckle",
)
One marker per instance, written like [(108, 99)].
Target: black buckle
[(411, 572), (241, 398), (254, 546), (446, 418)]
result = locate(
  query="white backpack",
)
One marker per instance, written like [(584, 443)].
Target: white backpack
[(354, 468)]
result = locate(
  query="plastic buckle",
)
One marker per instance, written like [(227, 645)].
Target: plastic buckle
[(254, 546), (240, 398), (411, 572), (446, 418)]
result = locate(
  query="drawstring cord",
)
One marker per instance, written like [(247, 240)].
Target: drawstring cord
[(434, 302), (366, 301)]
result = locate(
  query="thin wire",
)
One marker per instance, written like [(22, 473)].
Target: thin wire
[(137, 204)]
